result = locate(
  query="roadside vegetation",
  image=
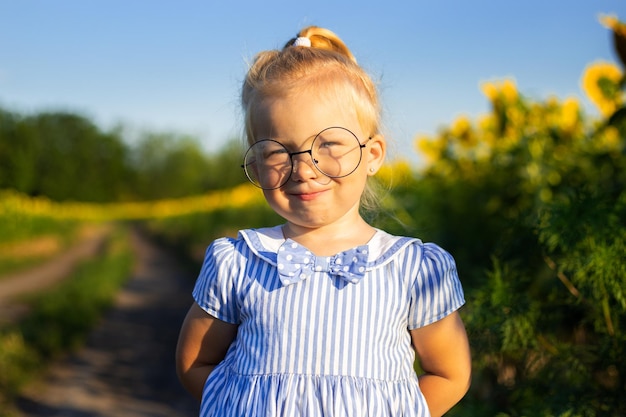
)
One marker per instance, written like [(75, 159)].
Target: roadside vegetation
[(60, 318)]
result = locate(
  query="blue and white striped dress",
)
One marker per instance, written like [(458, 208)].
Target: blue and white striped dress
[(319, 344)]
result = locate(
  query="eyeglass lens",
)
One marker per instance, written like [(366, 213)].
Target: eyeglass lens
[(335, 152)]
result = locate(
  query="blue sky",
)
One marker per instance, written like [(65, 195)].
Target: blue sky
[(177, 65)]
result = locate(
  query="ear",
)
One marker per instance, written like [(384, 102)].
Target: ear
[(375, 153)]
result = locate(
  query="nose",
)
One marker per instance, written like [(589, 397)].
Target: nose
[(302, 166)]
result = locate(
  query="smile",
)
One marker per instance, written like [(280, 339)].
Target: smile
[(307, 196)]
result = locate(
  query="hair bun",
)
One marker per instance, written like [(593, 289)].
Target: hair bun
[(321, 38)]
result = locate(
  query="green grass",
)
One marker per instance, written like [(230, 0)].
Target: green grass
[(19, 229), (15, 226), (60, 318)]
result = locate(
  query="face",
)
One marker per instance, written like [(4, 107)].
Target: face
[(311, 199)]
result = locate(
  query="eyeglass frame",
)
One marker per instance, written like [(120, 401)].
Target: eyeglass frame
[(310, 152)]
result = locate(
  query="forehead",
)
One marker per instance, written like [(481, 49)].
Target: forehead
[(299, 116)]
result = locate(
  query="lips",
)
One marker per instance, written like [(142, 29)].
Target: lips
[(307, 196)]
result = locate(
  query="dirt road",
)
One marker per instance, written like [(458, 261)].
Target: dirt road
[(48, 273), (126, 368)]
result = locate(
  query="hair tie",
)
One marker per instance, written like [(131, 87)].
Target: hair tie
[(302, 41)]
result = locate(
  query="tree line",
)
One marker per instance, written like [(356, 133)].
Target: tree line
[(66, 157)]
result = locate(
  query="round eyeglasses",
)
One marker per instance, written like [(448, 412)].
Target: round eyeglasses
[(336, 152)]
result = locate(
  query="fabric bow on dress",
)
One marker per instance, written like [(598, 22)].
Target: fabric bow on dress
[(296, 263)]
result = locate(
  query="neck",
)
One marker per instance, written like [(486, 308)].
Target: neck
[(331, 239)]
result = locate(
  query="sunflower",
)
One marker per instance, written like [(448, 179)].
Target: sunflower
[(463, 132), (431, 149), (505, 89), (613, 23), (601, 84), (619, 34)]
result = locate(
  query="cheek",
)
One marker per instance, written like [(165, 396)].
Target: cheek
[(272, 197)]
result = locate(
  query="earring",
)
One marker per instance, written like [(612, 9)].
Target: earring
[(372, 170)]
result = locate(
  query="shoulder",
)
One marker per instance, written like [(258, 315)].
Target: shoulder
[(436, 289), (248, 243), (385, 248), (411, 254), (436, 256), (222, 249)]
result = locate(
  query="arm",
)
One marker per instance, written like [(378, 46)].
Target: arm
[(202, 344), (444, 353)]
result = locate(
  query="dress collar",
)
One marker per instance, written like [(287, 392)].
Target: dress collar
[(381, 248)]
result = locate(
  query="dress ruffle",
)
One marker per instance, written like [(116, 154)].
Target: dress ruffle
[(227, 393)]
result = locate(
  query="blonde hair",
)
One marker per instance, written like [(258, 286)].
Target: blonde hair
[(327, 63), (326, 66)]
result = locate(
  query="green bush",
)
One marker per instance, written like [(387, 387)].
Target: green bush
[(531, 200)]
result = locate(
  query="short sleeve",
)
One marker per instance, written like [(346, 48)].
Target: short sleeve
[(215, 288), (437, 290)]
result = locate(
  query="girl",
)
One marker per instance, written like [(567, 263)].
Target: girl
[(323, 315)]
